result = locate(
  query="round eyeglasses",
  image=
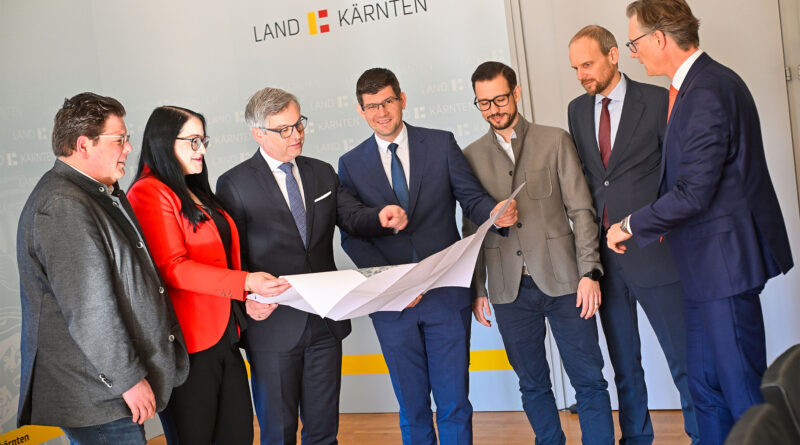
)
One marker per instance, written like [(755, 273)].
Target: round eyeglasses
[(499, 101), (196, 141), (287, 131)]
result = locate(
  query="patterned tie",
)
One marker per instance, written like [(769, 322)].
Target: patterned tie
[(295, 200), (604, 140), (399, 183), (673, 93)]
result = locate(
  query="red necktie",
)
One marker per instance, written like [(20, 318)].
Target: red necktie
[(673, 93), (604, 141)]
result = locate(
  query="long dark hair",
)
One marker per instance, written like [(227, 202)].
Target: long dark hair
[(158, 153)]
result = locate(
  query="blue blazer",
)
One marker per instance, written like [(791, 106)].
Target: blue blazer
[(717, 206), (440, 176)]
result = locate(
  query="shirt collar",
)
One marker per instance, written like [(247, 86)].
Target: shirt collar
[(400, 140), (109, 188), (683, 70), (273, 163), (503, 141), (617, 94)]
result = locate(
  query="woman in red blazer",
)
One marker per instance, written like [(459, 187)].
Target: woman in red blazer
[(195, 246)]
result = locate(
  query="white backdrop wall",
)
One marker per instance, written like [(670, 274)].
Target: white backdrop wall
[(210, 56)]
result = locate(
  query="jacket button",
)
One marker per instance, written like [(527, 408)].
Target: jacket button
[(115, 204), (102, 189), (171, 338), (161, 289), (519, 253), (510, 173), (606, 183), (140, 244), (519, 224)]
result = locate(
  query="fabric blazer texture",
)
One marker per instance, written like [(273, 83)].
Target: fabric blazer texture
[(271, 242), (717, 207), (439, 177), (192, 262), (555, 193), (95, 315), (631, 179)]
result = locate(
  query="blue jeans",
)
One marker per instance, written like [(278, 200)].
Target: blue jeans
[(119, 432), (522, 326)]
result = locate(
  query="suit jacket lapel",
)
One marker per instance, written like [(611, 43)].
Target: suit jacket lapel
[(372, 170), (271, 190), (416, 157), (632, 110), (586, 121)]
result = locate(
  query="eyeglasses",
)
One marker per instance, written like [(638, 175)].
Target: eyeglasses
[(499, 101), (371, 108), (632, 43), (123, 138), (287, 131), (196, 141)]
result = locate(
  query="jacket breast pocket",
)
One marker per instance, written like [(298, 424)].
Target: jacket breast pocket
[(537, 183)]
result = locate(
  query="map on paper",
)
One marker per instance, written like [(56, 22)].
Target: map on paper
[(345, 294)]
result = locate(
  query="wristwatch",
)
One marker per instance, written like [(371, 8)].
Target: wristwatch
[(594, 275), (623, 225)]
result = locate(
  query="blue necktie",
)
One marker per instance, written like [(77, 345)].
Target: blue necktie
[(399, 183), (295, 200)]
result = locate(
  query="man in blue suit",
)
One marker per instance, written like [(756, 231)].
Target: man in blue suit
[(426, 346), (717, 208)]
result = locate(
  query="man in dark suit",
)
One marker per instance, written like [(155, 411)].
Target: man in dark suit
[(426, 346), (286, 207), (618, 127), (717, 208)]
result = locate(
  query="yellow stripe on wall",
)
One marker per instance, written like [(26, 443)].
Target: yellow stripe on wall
[(486, 360), (31, 434)]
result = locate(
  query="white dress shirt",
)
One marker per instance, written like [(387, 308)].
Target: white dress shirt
[(617, 96), (507, 145), (683, 70), (280, 176), (402, 152)]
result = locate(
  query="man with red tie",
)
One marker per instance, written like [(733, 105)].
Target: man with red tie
[(717, 209), (617, 127)]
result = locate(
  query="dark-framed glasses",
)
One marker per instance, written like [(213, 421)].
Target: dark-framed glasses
[(122, 138), (371, 108), (287, 131), (632, 43), (196, 141), (499, 101)]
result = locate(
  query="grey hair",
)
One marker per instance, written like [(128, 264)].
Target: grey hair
[(266, 102)]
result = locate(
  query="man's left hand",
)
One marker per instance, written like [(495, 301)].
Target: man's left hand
[(141, 401), (588, 297), (509, 217), (616, 237), (393, 217)]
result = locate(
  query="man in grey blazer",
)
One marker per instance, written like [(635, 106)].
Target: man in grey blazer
[(101, 346), (618, 127), (544, 269)]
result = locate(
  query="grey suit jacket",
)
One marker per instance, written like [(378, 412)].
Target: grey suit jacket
[(631, 179), (96, 318), (555, 193)]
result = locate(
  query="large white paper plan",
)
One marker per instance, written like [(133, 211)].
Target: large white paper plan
[(344, 294)]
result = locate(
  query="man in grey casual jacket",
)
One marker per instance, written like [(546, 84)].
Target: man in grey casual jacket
[(101, 347)]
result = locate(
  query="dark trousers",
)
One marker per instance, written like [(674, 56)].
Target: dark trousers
[(213, 405), (522, 326), (119, 432), (727, 358), (427, 349), (663, 306), (307, 378)]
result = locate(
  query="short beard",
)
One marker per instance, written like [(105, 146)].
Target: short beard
[(507, 124)]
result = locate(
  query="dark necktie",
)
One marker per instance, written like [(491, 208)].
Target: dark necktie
[(604, 140), (399, 183), (673, 93), (295, 200)]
